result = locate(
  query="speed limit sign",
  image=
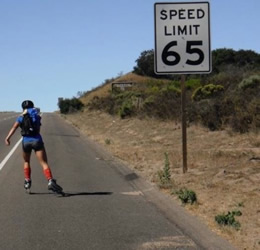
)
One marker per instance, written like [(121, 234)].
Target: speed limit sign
[(182, 38)]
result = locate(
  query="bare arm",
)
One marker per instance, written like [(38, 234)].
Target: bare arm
[(11, 132)]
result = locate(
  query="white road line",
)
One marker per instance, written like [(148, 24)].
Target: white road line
[(10, 154)]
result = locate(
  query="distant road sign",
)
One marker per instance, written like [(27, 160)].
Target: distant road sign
[(122, 85), (182, 38)]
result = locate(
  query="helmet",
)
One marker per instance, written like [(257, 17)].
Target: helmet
[(27, 104)]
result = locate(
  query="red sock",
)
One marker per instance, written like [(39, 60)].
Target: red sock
[(47, 173), (27, 173)]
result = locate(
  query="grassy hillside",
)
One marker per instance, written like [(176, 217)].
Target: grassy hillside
[(228, 97), (216, 102), (105, 89)]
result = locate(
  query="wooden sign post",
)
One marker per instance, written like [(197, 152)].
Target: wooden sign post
[(184, 124)]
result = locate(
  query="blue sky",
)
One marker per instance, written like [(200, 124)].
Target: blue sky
[(55, 48)]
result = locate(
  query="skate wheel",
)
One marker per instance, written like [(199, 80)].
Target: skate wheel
[(28, 191), (61, 194)]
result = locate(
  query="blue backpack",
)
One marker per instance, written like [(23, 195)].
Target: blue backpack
[(30, 124)]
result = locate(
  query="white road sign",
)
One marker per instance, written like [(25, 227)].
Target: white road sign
[(182, 38)]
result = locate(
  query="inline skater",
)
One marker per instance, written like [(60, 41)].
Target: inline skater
[(30, 122)]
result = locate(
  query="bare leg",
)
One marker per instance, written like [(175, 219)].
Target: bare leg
[(42, 157), (52, 185), (26, 165)]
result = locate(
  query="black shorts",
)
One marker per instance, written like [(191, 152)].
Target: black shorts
[(34, 145)]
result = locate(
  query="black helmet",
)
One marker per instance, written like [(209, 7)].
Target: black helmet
[(27, 104)]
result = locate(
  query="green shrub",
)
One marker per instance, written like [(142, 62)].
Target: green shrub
[(126, 109), (69, 105), (219, 100), (187, 196), (229, 219), (207, 91), (250, 82)]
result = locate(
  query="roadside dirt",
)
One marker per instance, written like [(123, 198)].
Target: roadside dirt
[(223, 167)]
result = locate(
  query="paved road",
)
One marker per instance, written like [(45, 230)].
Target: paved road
[(107, 205)]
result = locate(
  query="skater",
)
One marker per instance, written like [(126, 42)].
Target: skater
[(30, 122)]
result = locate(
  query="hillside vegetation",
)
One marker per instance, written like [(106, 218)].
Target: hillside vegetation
[(229, 96)]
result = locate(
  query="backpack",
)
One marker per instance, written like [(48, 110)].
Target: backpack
[(30, 124)]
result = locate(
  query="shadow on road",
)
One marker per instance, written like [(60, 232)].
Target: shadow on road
[(70, 194)]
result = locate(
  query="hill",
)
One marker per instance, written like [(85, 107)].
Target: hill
[(105, 89), (228, 97), (216, 103)]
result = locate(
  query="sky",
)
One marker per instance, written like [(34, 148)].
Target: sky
[(56, 48)]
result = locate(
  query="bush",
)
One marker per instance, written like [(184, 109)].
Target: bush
[(187, 196), (69, 105), (250, 82), (216, 101), (126, 109), (208, 112), (107, 141), (206, 92), (229, 219)]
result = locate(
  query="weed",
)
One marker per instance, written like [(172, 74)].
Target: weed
[(240, 204), (167, 167), (187, 196), (165, 175), (108, 141), (229, 219)]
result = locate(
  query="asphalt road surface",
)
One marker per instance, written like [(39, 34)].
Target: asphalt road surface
[(106, 206)]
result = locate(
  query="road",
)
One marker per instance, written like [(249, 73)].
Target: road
[(107, 206)]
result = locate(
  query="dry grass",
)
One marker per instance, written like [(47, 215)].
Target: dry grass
[(105, 89), (223, 168)]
